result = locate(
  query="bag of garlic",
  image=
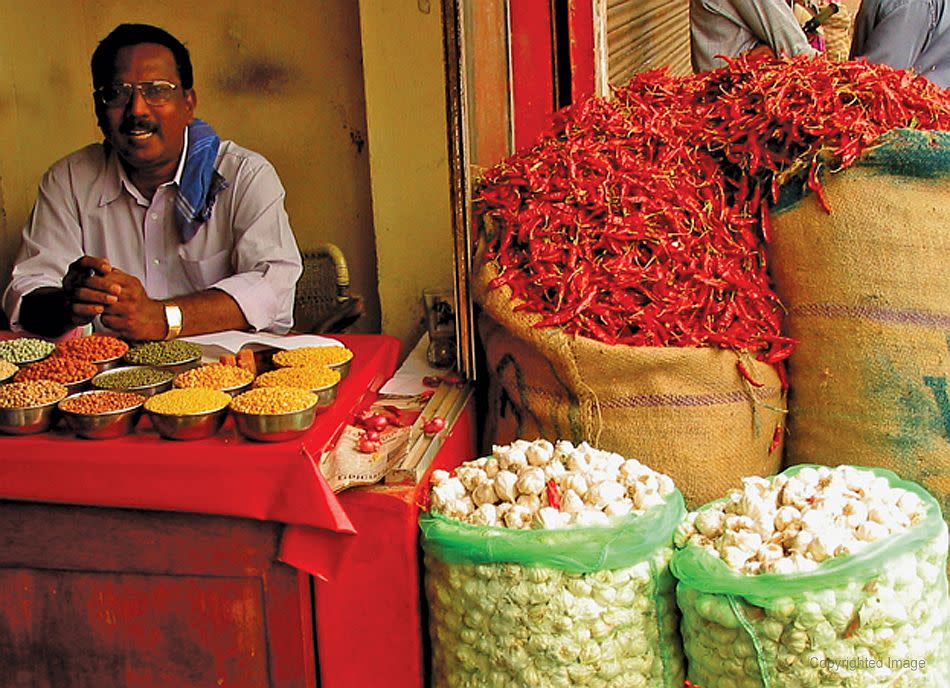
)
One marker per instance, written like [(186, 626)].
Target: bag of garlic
[(868, 295), (819, 577), (583, 598)]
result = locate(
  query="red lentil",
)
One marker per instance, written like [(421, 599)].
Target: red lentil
[(193, 400), (91, 403), (313, 355), (302, 377), (95, 347), (58, 368), (273, 400), (215, 376), (31, 393)]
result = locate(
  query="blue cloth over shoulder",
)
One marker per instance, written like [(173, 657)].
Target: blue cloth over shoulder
[(200, 182)]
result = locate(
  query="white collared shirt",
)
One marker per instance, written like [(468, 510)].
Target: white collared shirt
[(87, 206)]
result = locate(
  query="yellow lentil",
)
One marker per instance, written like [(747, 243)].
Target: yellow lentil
[(304, 377), (313, 355), (7, 369), (215, 376), (32, 393), (178, 402), (273, 400)]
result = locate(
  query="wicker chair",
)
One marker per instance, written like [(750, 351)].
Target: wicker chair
[(323, 303)]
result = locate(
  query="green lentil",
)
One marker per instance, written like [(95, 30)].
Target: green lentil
[(179, 402), (163, 353), (273, 400), (7, 369), (214, 375), (132, 378), (304, 377), (32, 393), (25, 349)]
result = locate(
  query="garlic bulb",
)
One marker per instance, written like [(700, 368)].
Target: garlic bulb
[(589, 485)]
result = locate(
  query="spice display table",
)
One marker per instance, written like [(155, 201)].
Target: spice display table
[(145, 562)]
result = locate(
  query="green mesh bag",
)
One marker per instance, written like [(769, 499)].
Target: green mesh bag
[(555, 608), (879, 617)]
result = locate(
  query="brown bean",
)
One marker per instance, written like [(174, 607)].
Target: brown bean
[(31, 393)]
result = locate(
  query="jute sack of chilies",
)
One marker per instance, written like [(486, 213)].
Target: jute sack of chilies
[(867, 289), (685, 410)]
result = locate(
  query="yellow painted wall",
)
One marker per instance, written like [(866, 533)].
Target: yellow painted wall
[(283, 78), (403, 69)]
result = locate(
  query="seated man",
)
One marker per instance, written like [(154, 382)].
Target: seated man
[(161, 230), (909, 34), (731, 27)]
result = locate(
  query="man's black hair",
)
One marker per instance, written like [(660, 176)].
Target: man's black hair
[(124, 35)]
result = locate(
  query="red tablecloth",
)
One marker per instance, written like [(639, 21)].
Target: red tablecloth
[(224, 475), (369, 617)]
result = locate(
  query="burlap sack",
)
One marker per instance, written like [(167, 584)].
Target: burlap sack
[(867, 290), (686, 412), (838, 32)]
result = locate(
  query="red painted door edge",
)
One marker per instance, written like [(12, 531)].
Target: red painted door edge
[(581, 22), (532, 69)]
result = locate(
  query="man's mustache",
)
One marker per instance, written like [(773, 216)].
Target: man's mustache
[(137, 124)]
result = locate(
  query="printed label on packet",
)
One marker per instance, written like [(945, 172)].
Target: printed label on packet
[(346, 466)]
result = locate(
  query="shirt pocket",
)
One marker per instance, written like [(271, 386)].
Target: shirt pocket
[(206, 271)]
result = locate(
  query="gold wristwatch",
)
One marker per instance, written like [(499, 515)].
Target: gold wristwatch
[(172, 320)]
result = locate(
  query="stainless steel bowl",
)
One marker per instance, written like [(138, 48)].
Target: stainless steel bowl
[(180, 366), (274, 427), (34, 360), (188, 426), (29, 420), (78, 385), (109, 363), (101, 426), (234, 391), (144, 390), (326, 395), (342, 368)]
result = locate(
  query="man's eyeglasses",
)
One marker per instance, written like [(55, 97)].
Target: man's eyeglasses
[(153, 92)]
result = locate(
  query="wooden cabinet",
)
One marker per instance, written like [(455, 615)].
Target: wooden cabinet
[(107, 598)]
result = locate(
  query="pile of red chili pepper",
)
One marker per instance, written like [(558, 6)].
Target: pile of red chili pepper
[(642, 219)]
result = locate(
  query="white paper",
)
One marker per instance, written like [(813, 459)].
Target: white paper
[(408, 379), (233, 341)]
